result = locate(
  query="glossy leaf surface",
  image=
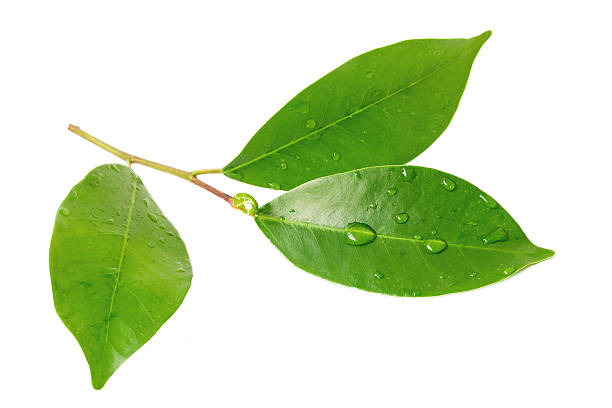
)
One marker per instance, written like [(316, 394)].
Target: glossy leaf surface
[(383, 107), (400, 230), (119, 269)]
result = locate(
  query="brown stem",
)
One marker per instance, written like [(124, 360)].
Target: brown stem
[(130, 158)]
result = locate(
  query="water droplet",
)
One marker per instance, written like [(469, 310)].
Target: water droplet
[(281, 218), (358, 175), (408, 173), (291, 210), (494, 236), (147, 202), (435, 246), (419, 237), (245, 203), (473, 275), (509, 270), (150, 244), (336, 156), (488, 201), (369, 74), (391, 192), (274, 186), (310, 123), (283, 165), (74, 195), (64, 211), (401, 218), (372, 206), (301, 107), (378, 275), (110, 221), (152, 217), (180, 270), (114, 168), (93, 179), (448, 184), (357, 233)]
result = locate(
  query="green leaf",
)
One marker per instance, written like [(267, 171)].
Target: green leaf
[(399, 230), (119, 269), (383, 107)]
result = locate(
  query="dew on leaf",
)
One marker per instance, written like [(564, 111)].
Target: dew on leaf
[(273, 185), (435, 246), (497, 235), (301, 107), (509, 270), (64, 211), (408, 173), (74, 195), (391, 192), (336, 156), (310, 123), (357, 233), (283, 165), (401, 218), (378, 275), (245, 203), (488, 201), (152, 217), (448, 184)]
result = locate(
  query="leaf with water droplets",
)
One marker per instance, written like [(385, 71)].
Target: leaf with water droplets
[(383, 107), (424, 239), (119, 269)]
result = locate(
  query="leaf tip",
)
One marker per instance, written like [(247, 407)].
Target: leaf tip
[(485, 36)]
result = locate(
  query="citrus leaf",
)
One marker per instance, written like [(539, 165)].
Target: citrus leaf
[(119, 269), (383, 107), (399, 230)]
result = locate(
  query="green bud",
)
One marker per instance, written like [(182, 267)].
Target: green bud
[(245, 203)]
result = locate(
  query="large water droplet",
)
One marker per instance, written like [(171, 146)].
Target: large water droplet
[(435, 246), (357, 233), (488, 201), (391, 192), (273, 185), (448, 184), (64, 211), (408, 173), (310, 123), (496, 235), (152, 217), (245, 203), (401, 218)]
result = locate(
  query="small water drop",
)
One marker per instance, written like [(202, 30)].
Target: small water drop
[(283, 165), (64, 211), (448, 184), (357, 233), (408, 173), (509, 270), (401, 218), (372, 206), (378, 275), (336, 156), (418, 237), (435, 246), (391, 192), (310, 123), (152, 217), (110, 221), (488, 201), (497, 235), (291, 210), (74, 195), (274, 186), (150, 244), (180, 270), (147, 202), (473, 275), (114, 168)]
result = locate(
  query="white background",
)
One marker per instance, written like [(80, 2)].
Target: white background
[(188, 83)]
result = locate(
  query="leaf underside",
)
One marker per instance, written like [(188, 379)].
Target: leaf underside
[(382, 107), (119, 269), (432, 233)]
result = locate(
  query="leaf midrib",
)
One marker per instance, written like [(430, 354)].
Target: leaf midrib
[(384, 236), (350, 115), (118, 275)]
